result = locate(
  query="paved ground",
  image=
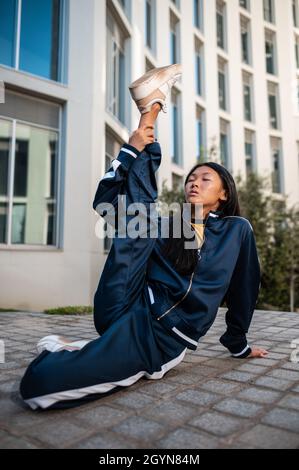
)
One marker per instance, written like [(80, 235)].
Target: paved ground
[(209, 400)]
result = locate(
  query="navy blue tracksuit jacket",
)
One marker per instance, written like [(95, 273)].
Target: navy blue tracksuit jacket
[(145, 313), (228, 268)]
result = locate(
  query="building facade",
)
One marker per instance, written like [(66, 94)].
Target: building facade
[(66, 66)]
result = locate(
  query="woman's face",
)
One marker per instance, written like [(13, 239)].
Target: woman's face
[(204, 186)]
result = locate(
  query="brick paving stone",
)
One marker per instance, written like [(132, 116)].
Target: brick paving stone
[(266, 437), (172, 412), (58, 433), (198, 397), (238, 376), (183, 438), (283, 418), (284, 374), (210, 400), (290, 401), (238, 407), (220, 386), (140, 428), (216, 423), (133, 399), (259, 395), (272, 382)]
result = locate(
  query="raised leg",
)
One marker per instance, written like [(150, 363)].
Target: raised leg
[(123, 276)]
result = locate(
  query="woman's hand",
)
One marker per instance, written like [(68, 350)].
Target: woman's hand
[(142, 136), (258, 352)]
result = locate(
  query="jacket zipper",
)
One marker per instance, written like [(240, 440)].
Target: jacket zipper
[(190, 283)]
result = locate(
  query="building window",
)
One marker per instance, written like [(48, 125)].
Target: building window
[(244, 4), (31, 36), (200, 142), (29, 137), (174, 40), (224, 143), (276, 165), (273, 105), (199, 68), (249, 151), (116, 70), (125, 4), (198, 13), (222, 84), (269, 11), (295, 8), (176, 3), (220, 21), (150, 22), (297, 50), (270, 52), (245, 40), (247, 96), (175, 123)]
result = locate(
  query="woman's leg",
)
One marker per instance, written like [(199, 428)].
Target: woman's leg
[(129, 350), (123, 276), (149, 119)]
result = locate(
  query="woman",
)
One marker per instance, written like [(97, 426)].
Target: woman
[(155, 298)]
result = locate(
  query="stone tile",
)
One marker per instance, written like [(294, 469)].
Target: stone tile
[(220, 386), (290, 401), (98, 417), (198, 397), (133, 399), (284, 374), (291, 365), (283, 418), (171, 412), (264, 361), (103, 441), (253, 368), (8, 441), (58, 433), (139, 428), (156, 388), (216, 423), (238, 407), (272, 382), (187, 439), (266, 437), (238, 376), (259, 395)]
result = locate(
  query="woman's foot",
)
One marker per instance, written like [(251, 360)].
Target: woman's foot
[(55, 343), (154, 87)]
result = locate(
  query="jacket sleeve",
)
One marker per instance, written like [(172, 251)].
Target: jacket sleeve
[(241, 297), (112, 183)]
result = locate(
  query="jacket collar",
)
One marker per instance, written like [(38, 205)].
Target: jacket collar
[(212, 217)]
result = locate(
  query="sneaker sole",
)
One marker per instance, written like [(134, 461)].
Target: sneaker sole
[(53, 342), (153, 79)]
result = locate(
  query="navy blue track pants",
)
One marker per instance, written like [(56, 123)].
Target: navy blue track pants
[(132, 344)]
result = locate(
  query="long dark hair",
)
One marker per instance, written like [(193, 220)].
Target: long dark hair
[(185, 260)]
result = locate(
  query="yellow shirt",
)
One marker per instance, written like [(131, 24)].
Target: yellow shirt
[(199, 232)]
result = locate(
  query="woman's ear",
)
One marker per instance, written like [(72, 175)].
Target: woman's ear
[(223, 196)]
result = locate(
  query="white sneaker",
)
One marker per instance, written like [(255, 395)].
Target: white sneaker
[(55, 343), (154, 87)]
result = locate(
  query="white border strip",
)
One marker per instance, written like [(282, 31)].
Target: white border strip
[(178, 332), (123, 149), (242, 352), (47, 400), (151, 294)]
